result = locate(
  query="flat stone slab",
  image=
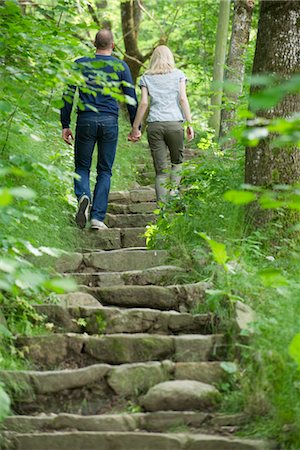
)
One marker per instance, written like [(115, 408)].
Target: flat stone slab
[(124, 260), (100, 319), (130, 441), (126, 381), (114, 238), (128, 220), (133, 208), (133, 237), (69, 262), (46, 382), (76, 299), (178, 298), (133, 196), (206, 372), (56, 349), (161, 275), (153, 422), (134, 379), (180, 395)]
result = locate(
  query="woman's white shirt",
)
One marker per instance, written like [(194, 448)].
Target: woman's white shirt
[(164, 93)]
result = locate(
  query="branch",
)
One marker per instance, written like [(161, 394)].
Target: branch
[(132, 58), (94, 15), (150, 16)]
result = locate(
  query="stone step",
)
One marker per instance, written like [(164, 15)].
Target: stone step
[(122, 260), (90, 440), (96, 388), (128, 220), (133, 196), (132, 208), (161, 275), (151, 422), (96, 319), (176, 297), (114, 238), (79, 350)]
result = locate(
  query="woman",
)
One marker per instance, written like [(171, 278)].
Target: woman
[(169, 108)]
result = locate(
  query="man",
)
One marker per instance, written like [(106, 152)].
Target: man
[(97, 122)]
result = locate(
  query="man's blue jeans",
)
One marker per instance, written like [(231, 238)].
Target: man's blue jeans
[(102, 129)]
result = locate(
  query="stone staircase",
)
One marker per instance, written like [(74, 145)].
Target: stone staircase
[(129, 366)]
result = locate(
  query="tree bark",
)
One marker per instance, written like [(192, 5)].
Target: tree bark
[(277, 52), (220, 55), (234, 74), (131, 18)]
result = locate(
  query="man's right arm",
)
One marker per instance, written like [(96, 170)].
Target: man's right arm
[(130, 91)]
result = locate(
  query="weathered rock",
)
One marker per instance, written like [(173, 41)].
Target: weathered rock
[(180, 395), (97, 440), (119, 197), (57, 380), (138, 296), (76, 299), (69, 262), (245, 317), (133, 208), (129, 220), (124, 260), (131, 380), (190, 295), (194, 348), (162, 421), (133, 237), (161, 276), (208, 442), (142, 195), (105, 239), (205, 372), (122, 348)]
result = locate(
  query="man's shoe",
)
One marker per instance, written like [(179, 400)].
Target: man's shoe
[(82, 214), (97, 225)]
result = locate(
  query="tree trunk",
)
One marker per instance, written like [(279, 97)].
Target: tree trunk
[(234, 74), (277, 52), (131, 17), (220, 55)]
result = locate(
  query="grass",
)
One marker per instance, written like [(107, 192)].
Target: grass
[(262, 270)]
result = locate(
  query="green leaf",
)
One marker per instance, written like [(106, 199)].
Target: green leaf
[(60, 285), (8, 265), (218, 249), (23, 193), (273, 278), (4, 331), (5, 107), (5, 197), (294, 349), (229, 367), (239, 197)]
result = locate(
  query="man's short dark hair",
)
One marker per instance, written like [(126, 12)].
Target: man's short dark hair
[(103, 40)]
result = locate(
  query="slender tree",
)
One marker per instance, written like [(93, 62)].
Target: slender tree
[(219, 62), (277, 52), (235, 71)]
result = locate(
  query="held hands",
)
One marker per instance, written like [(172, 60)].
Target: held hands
[(190, 133), (134, 135), (67, 135)]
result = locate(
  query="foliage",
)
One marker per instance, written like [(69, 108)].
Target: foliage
[(4, 403), (204, 229)]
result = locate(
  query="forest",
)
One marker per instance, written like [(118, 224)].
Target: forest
[(233, 225)]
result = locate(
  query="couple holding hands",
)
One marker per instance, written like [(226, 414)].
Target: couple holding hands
[(165, 86)]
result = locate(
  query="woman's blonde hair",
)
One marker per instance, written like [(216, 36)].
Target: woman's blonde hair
[(162, 61)]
